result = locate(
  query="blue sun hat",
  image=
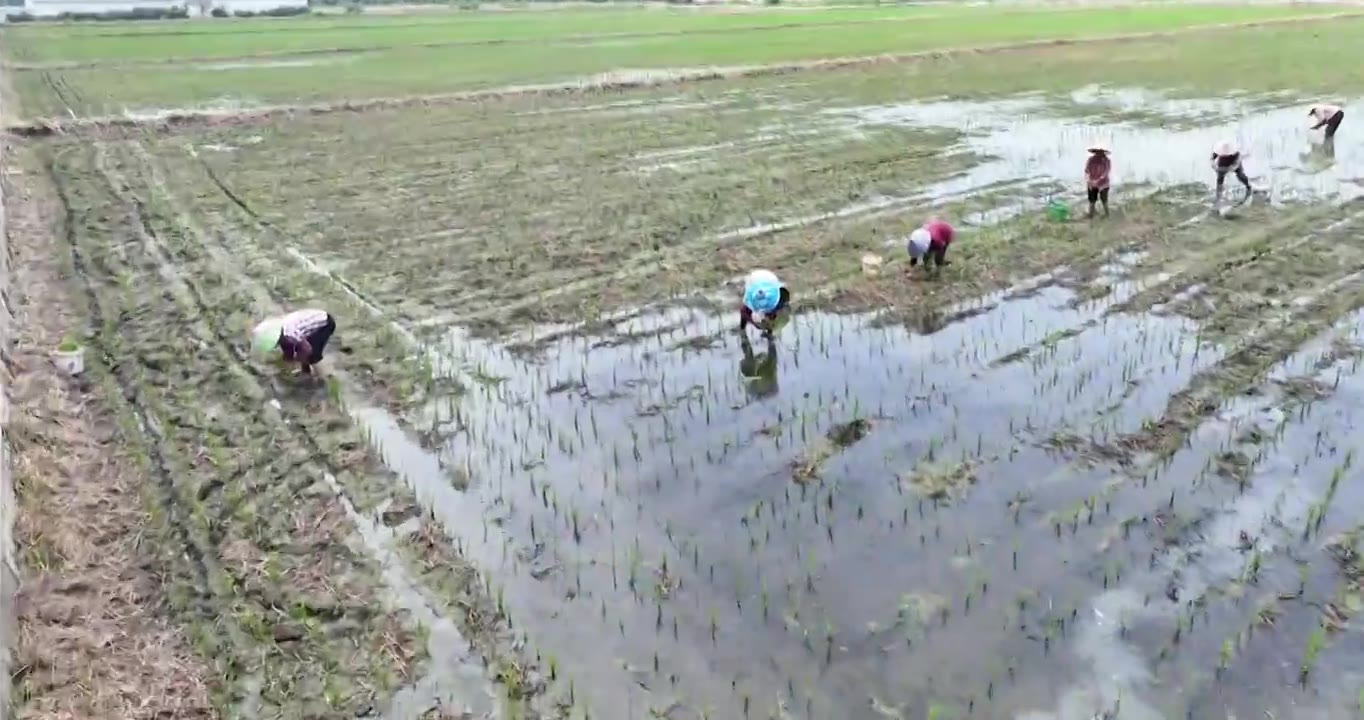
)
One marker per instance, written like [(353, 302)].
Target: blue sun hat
[(762, 291)]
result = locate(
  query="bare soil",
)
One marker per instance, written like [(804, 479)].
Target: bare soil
[(97, 636)]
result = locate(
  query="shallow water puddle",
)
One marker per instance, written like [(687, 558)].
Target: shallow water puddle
[(1022, 138), (1194, 585), (655, 464), (858, 520)]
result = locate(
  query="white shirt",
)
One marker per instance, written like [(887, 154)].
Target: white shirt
[(299, 324)]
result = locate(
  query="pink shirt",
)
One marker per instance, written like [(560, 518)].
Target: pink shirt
[(1097, 169), (939, 234)]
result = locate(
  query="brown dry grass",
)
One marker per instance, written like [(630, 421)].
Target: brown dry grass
[(93, 641)]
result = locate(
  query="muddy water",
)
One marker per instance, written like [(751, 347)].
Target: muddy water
[(645, 520), (683, 539), (622, 460), (1025, 139)]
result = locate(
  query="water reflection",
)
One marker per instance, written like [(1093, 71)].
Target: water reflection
[(760, 371)]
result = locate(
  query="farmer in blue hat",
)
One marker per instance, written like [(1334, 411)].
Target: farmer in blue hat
[(765, 299)]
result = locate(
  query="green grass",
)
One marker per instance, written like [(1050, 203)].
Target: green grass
[(1308, 58), (242, 37), (408, 70), (921, 26)]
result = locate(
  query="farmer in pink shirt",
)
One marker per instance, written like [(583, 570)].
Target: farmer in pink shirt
[(931, 241), (1096, 176), (1327, 116)]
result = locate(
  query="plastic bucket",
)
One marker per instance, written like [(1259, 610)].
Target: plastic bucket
[(1058, 211), (71, 362)]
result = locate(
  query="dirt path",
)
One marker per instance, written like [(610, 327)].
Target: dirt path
[(94, 636), (171, 118)]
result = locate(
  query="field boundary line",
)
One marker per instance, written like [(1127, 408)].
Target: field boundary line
[(447, 647), (606, 82)]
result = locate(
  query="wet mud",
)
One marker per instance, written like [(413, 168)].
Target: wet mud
[(1093, 469)]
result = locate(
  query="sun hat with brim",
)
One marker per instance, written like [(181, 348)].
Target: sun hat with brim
[(1225, 147), (762, 295), (1099, 146), (265, 336), (918, 244), (763, 276)]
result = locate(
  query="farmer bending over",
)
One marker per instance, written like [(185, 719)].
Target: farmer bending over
[(1097, 168), (1327, 116), (1226, 158), (301, 335), (765, 299), (931, 241)]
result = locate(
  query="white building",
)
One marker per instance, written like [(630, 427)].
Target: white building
[(196, 8)]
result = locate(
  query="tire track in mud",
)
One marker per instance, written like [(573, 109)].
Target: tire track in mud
[(446, 640), (184, 291), (605, 83), (129, 389), (529, 596), (484, 356)]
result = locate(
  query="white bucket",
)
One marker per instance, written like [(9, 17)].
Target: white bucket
[(72, 362), (871, 264)]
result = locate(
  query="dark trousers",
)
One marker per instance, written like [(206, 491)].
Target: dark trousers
[(1333, 124), (939, 255), (318, 338), (1240, 175), (1097, 194)]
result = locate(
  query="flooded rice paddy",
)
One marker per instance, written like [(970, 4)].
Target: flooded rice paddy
[(1114, 480)]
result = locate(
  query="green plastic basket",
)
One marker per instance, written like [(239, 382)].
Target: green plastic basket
[(1058, 211)]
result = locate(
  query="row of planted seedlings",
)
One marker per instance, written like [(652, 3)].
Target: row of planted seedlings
[(1253, 597), (573, 514), (377, 369), (542, 498), (1208, 393), (547, 245), (574, 533), (256, 555), (766, 597)]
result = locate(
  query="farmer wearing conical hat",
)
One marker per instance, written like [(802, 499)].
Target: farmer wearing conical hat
[(301, 335), (930, 242), (1097, 168), (765, 299), (1226, 158), (1327, 116)]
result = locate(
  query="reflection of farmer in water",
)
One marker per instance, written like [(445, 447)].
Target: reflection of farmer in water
[(759, 370), (765, 302), (1226, 158), (301, 335), (930, 242), (1327, 116)]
